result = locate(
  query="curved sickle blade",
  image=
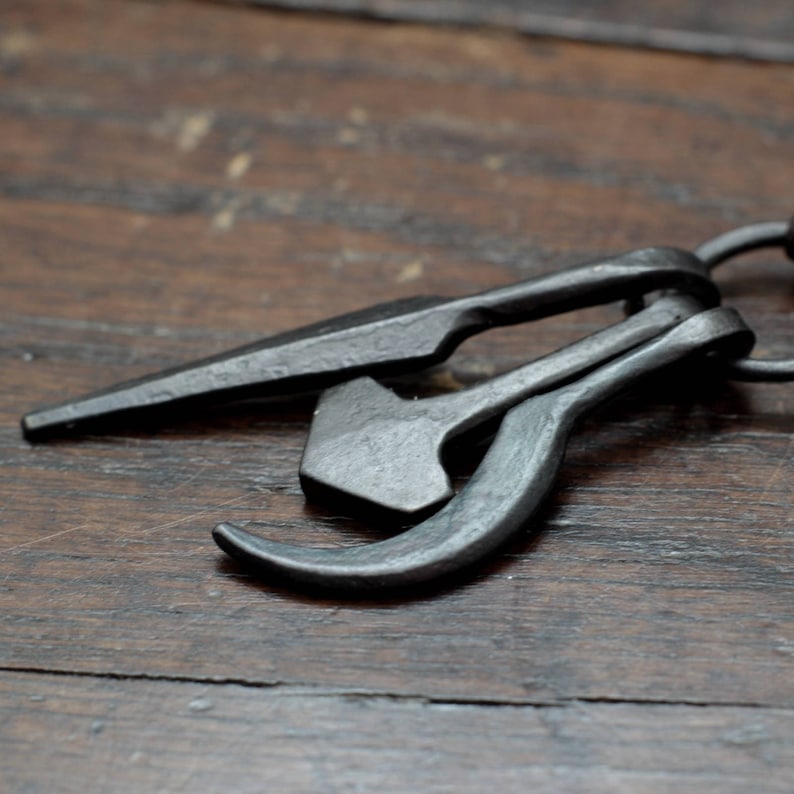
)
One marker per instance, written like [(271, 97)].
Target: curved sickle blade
[(507, 488)]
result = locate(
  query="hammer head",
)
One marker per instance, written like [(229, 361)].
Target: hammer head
[(369, 448)]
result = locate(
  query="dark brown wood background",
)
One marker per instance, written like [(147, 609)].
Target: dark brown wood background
[(178, 178)]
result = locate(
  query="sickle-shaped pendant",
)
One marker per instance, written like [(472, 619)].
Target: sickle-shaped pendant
[(508, 487)]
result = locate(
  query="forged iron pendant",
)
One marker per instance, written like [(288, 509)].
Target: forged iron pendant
[(369, 448)]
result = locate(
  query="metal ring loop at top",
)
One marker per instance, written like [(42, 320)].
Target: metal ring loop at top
[(778, 234)]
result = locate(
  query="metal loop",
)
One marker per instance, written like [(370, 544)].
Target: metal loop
[(779, 234)]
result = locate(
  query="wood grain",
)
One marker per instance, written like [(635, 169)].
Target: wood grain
[(103, 734), (758, 30), (177, 179)]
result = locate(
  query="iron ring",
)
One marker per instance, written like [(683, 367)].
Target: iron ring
[(776, 234)]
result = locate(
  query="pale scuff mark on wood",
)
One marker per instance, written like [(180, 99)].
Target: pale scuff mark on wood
[(348, 136), (358, 115), (194, 129), (283, 202), (238, 165), (494, 162), (225, 218), (410, 272), (15, 44), (188, 128)]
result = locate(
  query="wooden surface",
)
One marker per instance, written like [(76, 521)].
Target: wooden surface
[(763, 29), (179, 178)]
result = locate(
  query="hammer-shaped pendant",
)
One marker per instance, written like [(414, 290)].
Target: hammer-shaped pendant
[(370, 451)]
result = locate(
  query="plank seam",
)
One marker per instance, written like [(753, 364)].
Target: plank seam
[(298, 690)]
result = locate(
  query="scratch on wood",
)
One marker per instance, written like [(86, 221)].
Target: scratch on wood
[(777, 474), (189, 517), (35, 541)]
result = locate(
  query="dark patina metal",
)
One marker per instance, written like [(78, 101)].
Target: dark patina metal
[(369, 448), (775, 234), (508, 487), (388, 339)]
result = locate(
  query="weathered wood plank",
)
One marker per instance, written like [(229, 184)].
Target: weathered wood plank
[(758, 30), (187, 181), (496, 134), (90, 735), (652, 561)]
